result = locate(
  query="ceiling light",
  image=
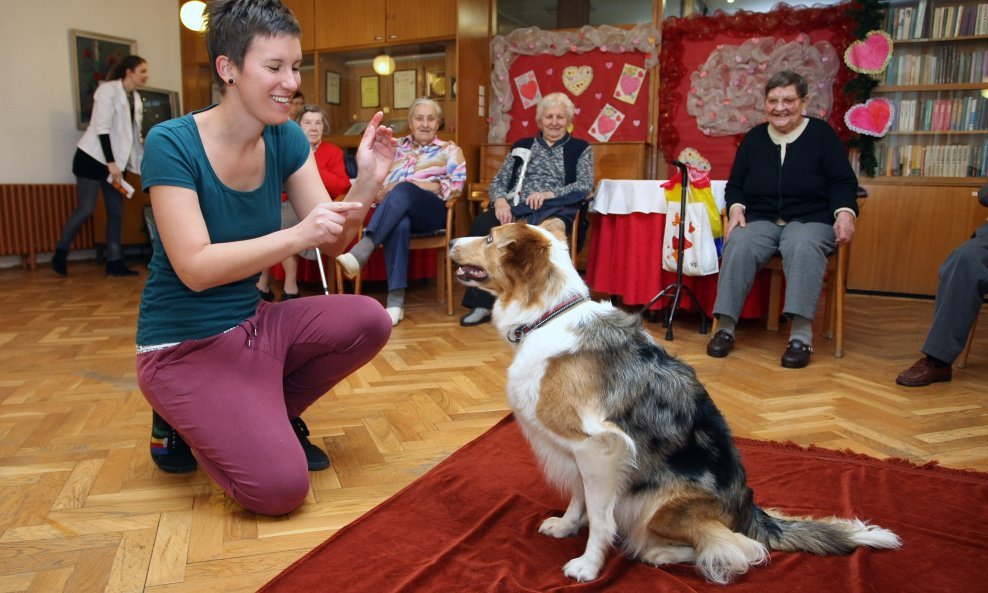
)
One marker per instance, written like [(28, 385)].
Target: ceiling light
[(384, 64), (192, 15)]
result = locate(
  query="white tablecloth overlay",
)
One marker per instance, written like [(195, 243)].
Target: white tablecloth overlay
[(624, 196)]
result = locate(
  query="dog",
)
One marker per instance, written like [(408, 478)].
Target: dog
[(625, 429)]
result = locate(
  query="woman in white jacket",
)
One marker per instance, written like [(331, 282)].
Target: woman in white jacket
[(110, 145)]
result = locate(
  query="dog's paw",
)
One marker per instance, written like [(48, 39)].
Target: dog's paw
[(582, 569), (558, 527)]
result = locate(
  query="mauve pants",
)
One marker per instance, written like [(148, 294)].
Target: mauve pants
[(230, 396)]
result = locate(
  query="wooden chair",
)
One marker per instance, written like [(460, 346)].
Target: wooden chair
[(962, 359), (444, 265), (835, 283)]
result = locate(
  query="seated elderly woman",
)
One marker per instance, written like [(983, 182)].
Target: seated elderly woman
[(426, 171), (546, 176), (329, 160), (791, 190)]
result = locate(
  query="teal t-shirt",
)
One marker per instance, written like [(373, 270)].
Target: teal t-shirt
[(174, 155)]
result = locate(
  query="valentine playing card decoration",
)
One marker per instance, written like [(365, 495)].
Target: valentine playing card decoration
[(606, 123), (528, 89), (629, 83), (577, 79), (872, 118), (870, 56)]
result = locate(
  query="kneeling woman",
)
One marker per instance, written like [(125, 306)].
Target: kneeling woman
[(227, 372), (426, 172), (546, 176)]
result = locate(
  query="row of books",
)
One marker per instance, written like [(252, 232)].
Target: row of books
[(914, 160), (914, 22), (946, 64), (969, 113)]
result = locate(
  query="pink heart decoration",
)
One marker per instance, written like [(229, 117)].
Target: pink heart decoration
[(629, 84), (606, 125), (870, 56), (609, 65), (872, 118), (637, 122), (524, 124)]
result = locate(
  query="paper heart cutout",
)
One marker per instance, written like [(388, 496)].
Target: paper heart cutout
[(577, 79), (606, 125), (870, 56), (872, 118), (629, 84), (528, 89)]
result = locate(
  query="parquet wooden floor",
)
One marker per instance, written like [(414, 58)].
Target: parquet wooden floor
[(82, 507)]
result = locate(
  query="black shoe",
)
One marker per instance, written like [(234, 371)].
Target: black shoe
[(287, 296), (117, 267), (59, 262), (314, 456), (720, 345), (266, 295), (797, 355), (169, 452)]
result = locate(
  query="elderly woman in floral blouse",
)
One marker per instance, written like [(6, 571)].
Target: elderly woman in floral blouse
[(425, 173)]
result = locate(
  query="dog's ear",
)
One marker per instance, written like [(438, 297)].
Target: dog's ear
[(556, 227), (525, 250)]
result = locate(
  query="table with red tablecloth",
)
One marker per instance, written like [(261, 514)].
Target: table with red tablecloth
[(625, 257)]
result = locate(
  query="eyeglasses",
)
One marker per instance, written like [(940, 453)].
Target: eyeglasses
[(786, 102)]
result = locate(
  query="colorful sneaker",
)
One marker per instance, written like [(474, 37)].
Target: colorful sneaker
[(170, 453), (314, 456)]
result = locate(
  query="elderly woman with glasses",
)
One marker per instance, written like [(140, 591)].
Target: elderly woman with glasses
[(791, 190)]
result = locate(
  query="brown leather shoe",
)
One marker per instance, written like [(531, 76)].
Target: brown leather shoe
[(720, 345), (797, 355), (923, 373)]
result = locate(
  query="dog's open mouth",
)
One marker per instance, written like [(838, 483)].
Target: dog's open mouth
[(470, 273)]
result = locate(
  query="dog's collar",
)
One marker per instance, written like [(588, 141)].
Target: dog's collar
[(521, 331)]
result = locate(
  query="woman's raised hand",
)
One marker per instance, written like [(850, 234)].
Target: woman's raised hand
[(375, 153)]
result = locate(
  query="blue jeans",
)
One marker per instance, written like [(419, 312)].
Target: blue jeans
[(407, 209), (88, 192)]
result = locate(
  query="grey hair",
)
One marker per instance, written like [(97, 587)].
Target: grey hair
[(787, 78), (425, 101), (232, 25), (311, 108), (554, 100)]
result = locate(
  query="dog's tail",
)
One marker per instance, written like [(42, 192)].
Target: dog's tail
[(831, 535)]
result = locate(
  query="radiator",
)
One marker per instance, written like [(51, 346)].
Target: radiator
[(31, 220)]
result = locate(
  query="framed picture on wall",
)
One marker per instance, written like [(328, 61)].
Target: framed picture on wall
[(333, 88), (406, 82), (159, 105), (370, 92), (93, 55)]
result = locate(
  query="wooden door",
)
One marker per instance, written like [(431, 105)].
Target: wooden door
[(906, 231), (345, 23), (422, 19)]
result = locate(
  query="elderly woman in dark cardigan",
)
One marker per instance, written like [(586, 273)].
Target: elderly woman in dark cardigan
[(546, 176), (792, 191)]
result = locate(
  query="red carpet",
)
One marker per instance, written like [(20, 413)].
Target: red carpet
[(471, 525)]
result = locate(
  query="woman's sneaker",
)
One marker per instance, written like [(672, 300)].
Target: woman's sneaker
[(168, 450), (314, 456)]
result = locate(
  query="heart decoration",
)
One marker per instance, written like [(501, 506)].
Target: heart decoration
[(529, 89), (872, 118), (577, 79), (870, 56)]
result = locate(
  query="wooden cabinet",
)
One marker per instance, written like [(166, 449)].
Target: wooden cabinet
[(344, 23), (304, 11), (923, 201), (905, 231)]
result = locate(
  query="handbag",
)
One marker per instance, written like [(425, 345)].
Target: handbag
[(699, 250)]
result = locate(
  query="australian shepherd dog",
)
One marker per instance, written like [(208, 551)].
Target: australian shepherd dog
[(625, 429)]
